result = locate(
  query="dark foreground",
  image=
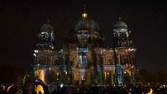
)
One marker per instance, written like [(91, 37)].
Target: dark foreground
[(13, 89)]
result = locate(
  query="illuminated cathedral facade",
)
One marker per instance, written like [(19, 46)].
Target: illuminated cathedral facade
[(83, 58)]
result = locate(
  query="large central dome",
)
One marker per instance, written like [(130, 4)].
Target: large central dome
[(86, 24), (87, 30)]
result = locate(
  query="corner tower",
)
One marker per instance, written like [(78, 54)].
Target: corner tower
[(44, 53), (122, 34), (124, 53)]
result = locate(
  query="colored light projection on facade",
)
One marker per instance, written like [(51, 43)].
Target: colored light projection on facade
[(84, 59)]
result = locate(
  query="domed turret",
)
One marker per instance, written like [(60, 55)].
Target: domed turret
[(121, 34), (46, 36), (120, 26), (46, 33)]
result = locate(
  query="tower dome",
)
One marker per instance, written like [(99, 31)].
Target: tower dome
[(46, 37), (46, 33), (46, 28), (120, 26)]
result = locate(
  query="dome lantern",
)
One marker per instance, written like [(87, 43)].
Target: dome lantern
[(84, 15)]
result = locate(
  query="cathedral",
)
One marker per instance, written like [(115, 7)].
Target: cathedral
[(83, 58)]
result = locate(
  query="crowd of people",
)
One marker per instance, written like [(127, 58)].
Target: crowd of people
[(40, 88)]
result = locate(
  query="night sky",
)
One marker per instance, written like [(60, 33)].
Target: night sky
[(146, 20)]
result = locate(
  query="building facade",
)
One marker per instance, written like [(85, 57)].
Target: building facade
[(84, 59)]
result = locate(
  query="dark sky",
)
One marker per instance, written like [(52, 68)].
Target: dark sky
[(147, 21)]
